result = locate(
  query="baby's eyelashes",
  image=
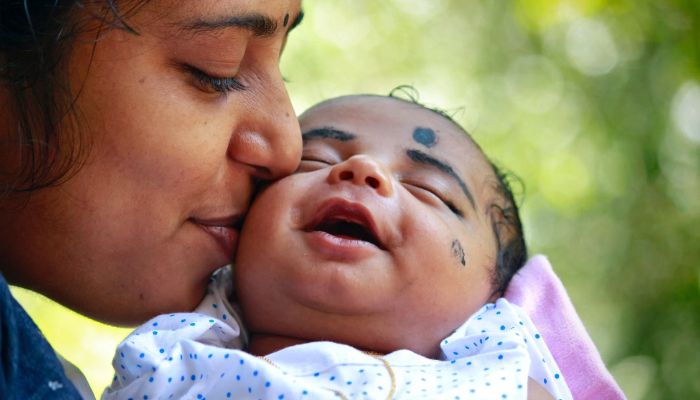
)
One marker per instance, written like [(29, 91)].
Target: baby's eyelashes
[(309, 164), (426, 193)]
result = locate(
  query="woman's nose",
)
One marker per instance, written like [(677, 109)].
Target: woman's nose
[(362, 170), (268, 137)]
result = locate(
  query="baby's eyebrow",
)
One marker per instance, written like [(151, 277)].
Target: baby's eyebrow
[(327, 133), (424, 158)]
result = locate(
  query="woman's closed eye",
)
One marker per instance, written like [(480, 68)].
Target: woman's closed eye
[(213, 84), (425, 191)]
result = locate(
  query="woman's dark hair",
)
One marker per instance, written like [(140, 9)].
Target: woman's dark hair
[(511, 252), (35, 40)]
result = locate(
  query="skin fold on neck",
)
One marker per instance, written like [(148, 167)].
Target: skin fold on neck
[(263, 344)]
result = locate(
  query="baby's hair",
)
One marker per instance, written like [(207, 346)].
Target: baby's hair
[(410, 94), (511, 252)]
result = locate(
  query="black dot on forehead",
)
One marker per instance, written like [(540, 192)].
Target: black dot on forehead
[(286, 20), (425, 136)]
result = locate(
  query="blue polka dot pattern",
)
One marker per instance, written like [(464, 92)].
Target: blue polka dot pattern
[(197, 355)]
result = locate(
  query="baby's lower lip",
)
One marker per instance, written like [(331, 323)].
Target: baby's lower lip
[(340, 247)]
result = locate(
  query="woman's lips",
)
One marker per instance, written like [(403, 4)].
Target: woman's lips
[(224, 231)]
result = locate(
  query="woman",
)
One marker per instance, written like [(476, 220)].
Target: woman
[(131, 139)]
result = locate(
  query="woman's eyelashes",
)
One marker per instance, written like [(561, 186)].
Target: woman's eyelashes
[(213, 84), (422, 190)]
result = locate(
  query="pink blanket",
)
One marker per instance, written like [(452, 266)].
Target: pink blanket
[(538, 290)]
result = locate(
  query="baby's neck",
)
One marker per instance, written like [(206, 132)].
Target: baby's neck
[(263, 344)]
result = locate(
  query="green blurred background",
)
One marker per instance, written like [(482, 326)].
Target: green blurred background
[(594, 104)]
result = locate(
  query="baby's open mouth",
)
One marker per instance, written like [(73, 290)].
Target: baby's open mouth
[(348, 230), (348, 222)]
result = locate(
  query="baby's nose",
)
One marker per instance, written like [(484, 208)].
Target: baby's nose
[(362, 170)]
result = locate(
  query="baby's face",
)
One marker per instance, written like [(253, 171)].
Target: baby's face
[(381, 239)]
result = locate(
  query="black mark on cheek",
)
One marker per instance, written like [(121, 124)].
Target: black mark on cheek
[(286, 20), (425, 136), (458, 252)]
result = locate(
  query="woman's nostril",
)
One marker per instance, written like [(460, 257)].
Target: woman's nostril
[(346, 175), (372, 182)]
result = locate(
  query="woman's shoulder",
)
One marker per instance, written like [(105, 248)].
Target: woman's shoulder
[(29, 368)]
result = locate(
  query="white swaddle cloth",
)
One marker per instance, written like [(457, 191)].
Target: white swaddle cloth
[(197, 356)]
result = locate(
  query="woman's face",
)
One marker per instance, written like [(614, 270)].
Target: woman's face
[(181, 118)]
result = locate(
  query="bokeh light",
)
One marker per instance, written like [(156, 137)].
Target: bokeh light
[(595, 105)]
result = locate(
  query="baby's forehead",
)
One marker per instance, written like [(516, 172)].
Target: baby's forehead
[(395, 129), (369, 117), (422, 125)]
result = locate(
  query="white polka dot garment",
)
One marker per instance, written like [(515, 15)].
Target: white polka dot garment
[(197, 356)]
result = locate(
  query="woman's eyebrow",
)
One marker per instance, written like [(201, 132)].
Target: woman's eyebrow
[(424, 158), (258, 24), (327, 133)]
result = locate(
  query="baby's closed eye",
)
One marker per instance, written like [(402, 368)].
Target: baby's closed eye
[(309, 164), (426, 192)]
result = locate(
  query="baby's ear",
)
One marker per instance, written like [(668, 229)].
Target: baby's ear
[(503, 221), (505, 225), (502, 208)]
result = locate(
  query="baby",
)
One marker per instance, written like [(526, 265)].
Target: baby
[(373, 272)]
